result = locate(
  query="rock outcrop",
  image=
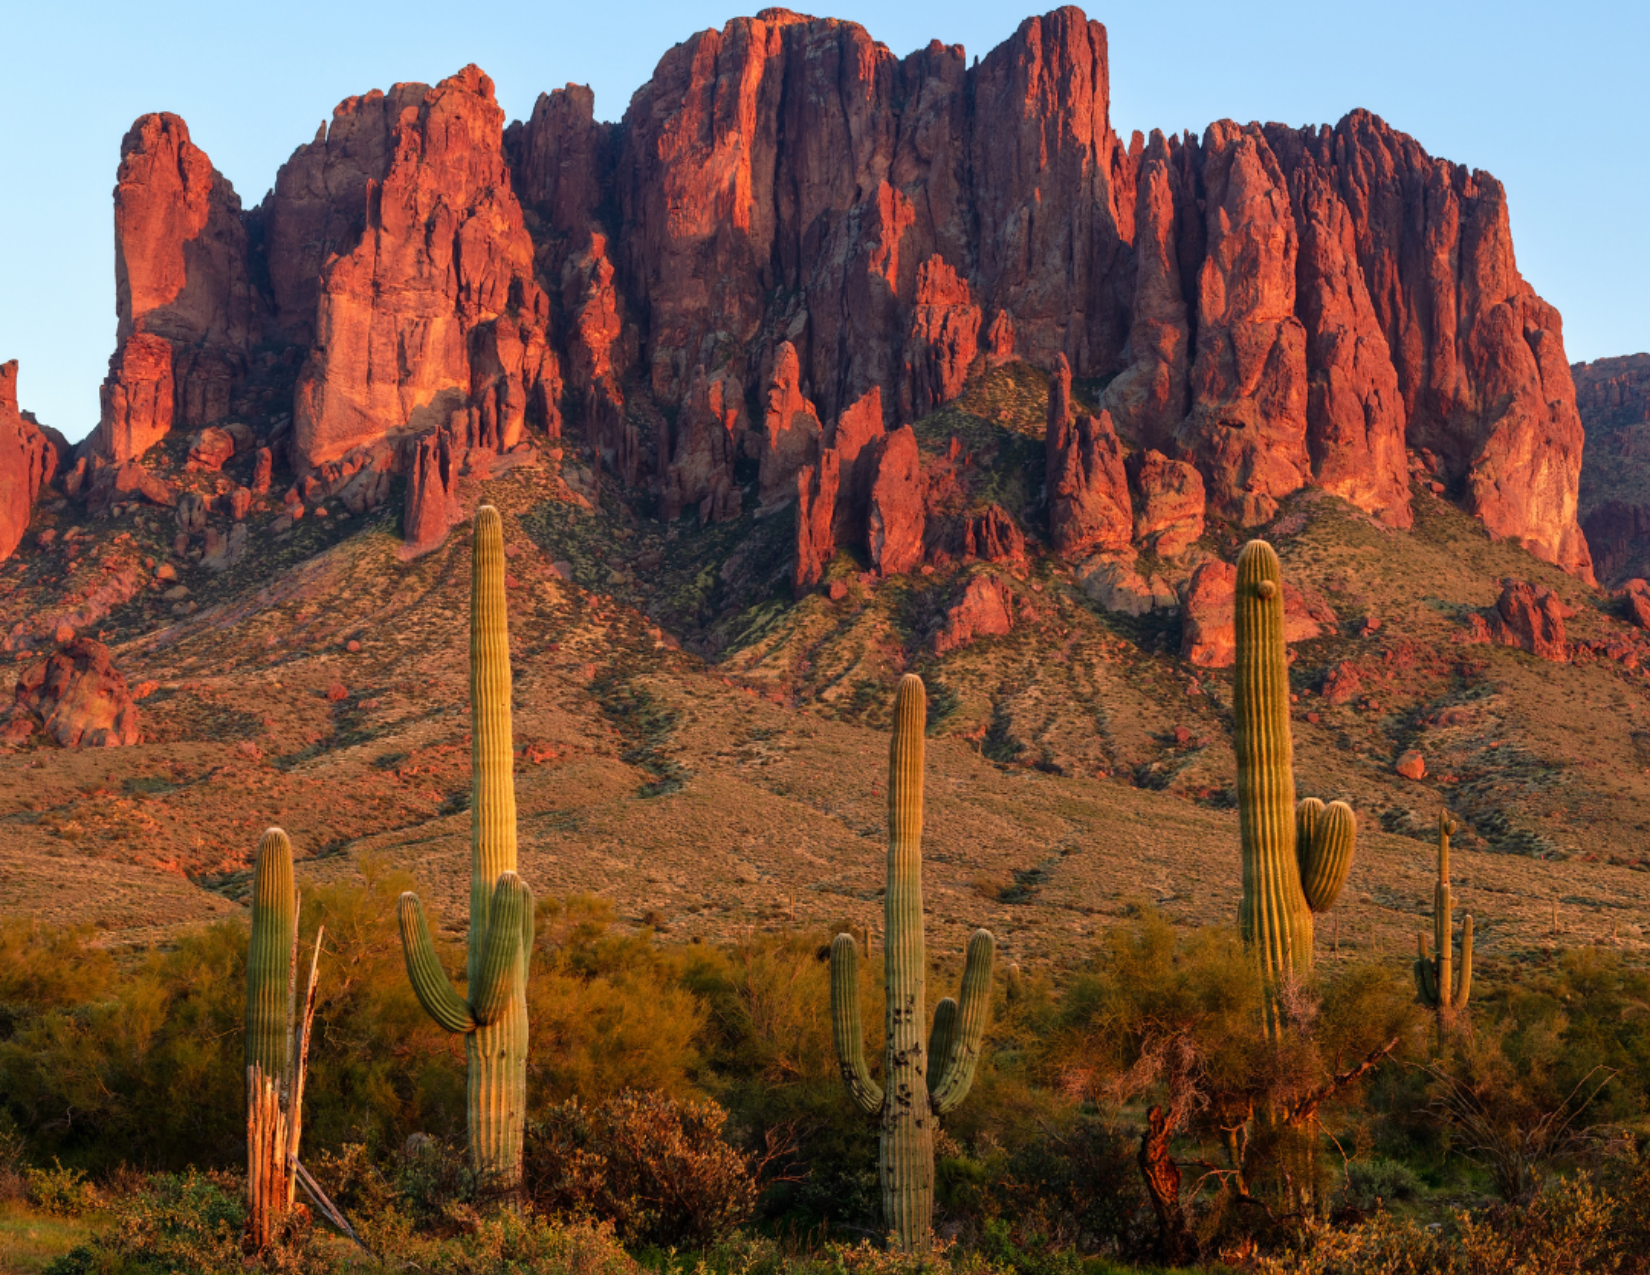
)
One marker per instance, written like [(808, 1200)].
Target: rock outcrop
[(945, 332), (1169, 507), (1246, 427), (434, 311), (1531, 617), (1613, 397), (1088, 488), (790, 430), (792, 163), (30, 457), (708, 427), (984, 610), (77, 696), (897, 504), (993, 536), (433, 506), (1208, 624), (816, 500), (186, 305)]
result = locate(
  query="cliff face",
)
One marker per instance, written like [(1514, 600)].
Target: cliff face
[(432, 318), (791, 225), (30, 457), (187, 311), (1613, 396)]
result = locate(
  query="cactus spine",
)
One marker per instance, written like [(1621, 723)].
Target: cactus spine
[(1438, 986), (918, 1085), (492, 1016), (1295, 857)]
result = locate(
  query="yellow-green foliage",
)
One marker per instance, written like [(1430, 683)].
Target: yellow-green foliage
[(1158, 1004), (44, 967), (1578, 1227), (143, 1065)]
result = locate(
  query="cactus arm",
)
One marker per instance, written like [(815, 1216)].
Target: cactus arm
[(964, 1054), (1463, 977), (1326, 856), (1307, 814), (429, 981), (270, 955), (501, 958), (940, 1038), (847, 1028), (1426, 987)]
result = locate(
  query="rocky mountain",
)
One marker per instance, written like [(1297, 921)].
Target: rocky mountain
[(793, 235), (820, 364)]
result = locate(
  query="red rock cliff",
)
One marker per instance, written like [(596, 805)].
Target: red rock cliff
[(187, 310), (434, 311), (30, 456), (793, 209)]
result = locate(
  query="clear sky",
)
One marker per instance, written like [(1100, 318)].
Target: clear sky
[(1554, 99)]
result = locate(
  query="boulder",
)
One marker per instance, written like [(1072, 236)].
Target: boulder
[(984, 610), (191, 513), (1208, 621), (77, 695), (224, 549), (1531, 617), (1116, 584), (1169, 505), (211, 450), (1343, 683)]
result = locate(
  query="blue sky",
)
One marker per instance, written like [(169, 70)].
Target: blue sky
[(1554, 100)]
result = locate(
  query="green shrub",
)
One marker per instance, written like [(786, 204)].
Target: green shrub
[(187, 1225), (655, 1168), (59, 1191), (1372, 1182)]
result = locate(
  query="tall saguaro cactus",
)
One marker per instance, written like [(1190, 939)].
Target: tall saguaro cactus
[(1438, 986), (277, 1039), (918, 1084), (492, 1015), (1295, 857)]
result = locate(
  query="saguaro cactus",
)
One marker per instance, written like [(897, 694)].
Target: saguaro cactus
[(277, 1039), (271, 959), (1295, 857), (917, 1084), (1438, 986), (492, 1015)]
